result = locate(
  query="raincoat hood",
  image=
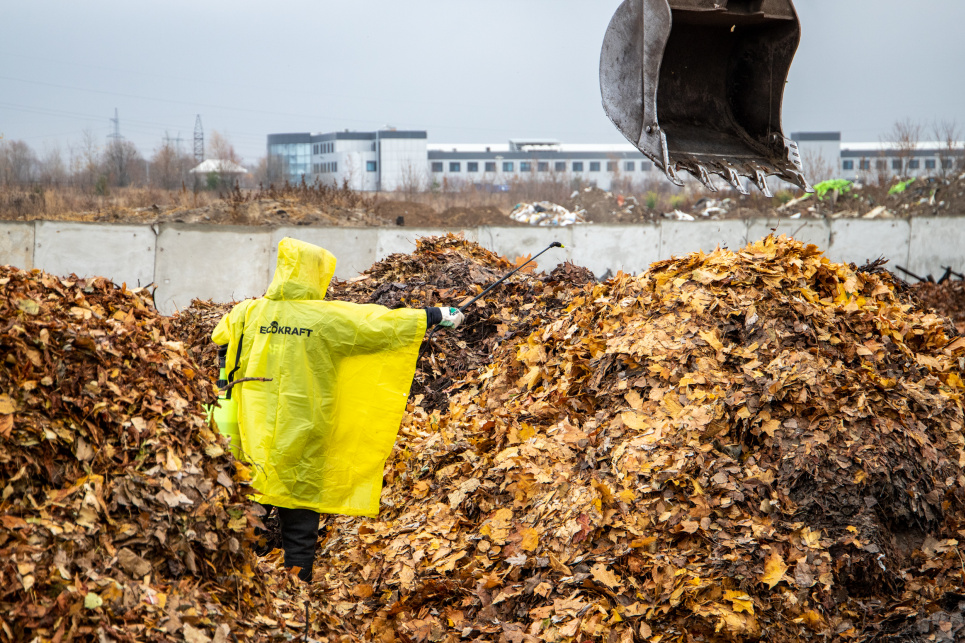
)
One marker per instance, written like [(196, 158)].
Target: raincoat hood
[(302, 272)]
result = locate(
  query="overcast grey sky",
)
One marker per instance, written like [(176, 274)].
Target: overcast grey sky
[(466, 71)]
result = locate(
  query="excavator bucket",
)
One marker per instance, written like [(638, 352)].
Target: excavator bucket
[(698, 85)]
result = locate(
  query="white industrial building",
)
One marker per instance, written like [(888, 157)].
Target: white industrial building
[(389, 160), (366, 161), (856, 161), (599, 165)]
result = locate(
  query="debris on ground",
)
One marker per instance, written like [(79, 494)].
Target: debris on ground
[(601, 206), (545, 213), (122, 517), (713, 208), (731, 446), (901, 198)]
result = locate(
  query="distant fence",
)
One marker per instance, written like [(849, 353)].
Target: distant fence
[(225, 263)]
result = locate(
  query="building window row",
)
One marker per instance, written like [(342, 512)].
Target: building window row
[(325, 168), (541, 166), (323, 148), (896, 164)]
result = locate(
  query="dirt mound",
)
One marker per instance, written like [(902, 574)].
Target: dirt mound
[(275, 212), (929, 196), (412, 213), (416, 215), (731, 446), (122, 517), (920, 197), (475, 216), (605, 207)]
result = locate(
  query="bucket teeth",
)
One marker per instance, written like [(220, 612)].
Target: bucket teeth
[(760, 178), (732, 177), (799, 179), (669, 166), (671, 173), (704, 177)]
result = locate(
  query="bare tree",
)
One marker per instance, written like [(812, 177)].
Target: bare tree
[(85, 162), (816, 167), (220, 148), (18, 163), (120, 158), (51, 169), (353, 169), (949, 136), (270, 169), (168, 166), (412, 179), (904, 138)]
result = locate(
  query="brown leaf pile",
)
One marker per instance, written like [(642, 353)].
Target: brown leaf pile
[(121, 516), (733, 446)]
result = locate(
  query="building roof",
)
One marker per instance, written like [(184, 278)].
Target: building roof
[(482, 148), (923, 146), (219, 166), (816, 136)]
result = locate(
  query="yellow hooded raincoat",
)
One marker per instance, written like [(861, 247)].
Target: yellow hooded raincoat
[(319, 433)]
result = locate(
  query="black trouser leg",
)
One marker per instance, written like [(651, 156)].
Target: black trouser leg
[(299, 537)]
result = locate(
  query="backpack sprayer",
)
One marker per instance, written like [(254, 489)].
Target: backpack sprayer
[(225, 411)]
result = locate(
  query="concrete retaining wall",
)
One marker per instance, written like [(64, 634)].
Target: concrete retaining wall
[(227, 263)]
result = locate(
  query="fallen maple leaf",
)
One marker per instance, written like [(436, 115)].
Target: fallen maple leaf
[(774, 570)]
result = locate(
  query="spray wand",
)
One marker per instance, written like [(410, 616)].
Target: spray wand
[(555, 244)]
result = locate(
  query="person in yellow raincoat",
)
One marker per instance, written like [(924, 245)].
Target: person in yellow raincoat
[(319, 431)]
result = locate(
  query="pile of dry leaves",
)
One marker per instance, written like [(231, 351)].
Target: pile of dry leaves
[(728, 447), (121, 516), (733, 446)]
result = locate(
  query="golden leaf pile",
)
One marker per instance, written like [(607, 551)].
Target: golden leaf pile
[(731, 446)]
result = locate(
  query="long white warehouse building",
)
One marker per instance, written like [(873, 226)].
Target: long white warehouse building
[(389, 160)]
